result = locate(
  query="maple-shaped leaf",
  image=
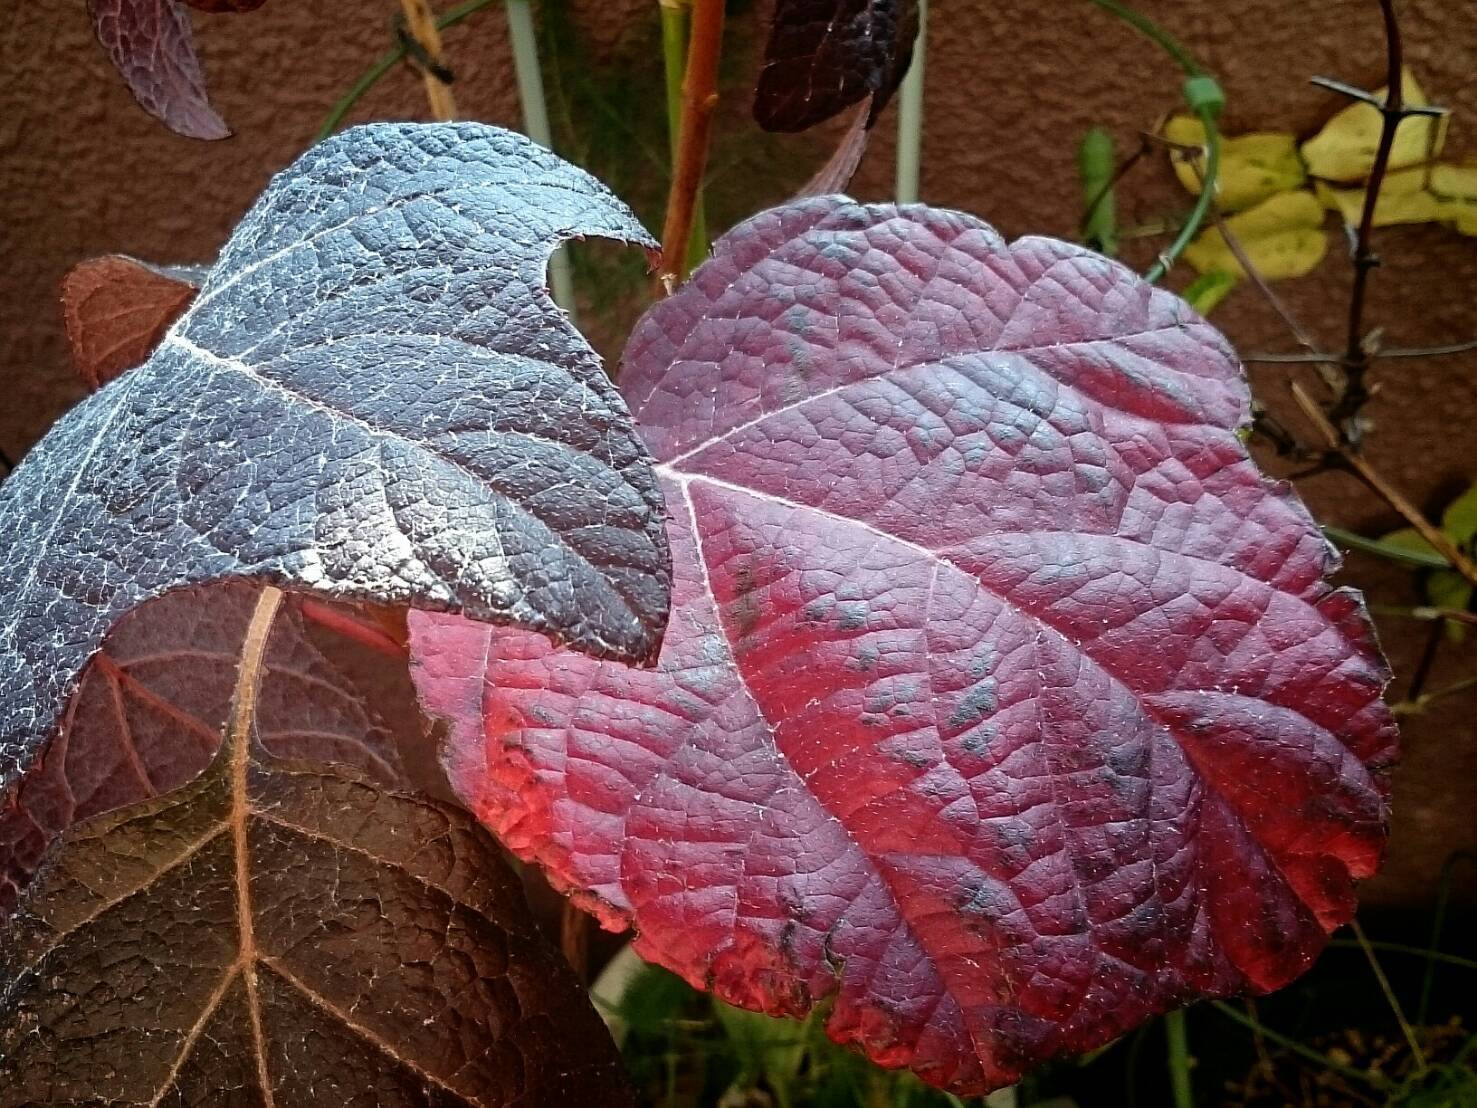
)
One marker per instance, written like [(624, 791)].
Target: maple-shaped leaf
[(275, 935), (373, 396), (148, 714), (1003, 702), (825, 55), (116, 310), (151, 45)]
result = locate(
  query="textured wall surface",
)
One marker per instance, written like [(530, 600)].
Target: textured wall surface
[(1012, 85)]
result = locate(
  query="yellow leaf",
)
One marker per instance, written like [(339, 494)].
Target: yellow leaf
[(1344, 150), (1422, 194), (1455, 187), (1404, 198), (1283, 236), (1252, 168)]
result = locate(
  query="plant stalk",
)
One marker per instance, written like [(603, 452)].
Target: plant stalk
[(699, 99), (1298, 1048), (910, 115), (1355, 392), (526, 69), (1179, 1059), (1206, 100), (1439, 539), (675, 30), (420, 24), (384, 64)]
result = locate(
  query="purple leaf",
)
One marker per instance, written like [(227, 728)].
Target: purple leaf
[(1003, 703), (150, 43)]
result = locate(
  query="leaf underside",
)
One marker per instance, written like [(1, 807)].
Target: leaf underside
[(389, 960), (151, 45), (373, 397), (1003, 702), (148, 714), (825, 55), (116, 310)]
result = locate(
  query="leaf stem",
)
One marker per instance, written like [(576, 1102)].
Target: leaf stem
[(1438, 538), (910, 115), (1438, 923), (1354, 541), (1355, 393), (1298, 1048), (384, 64), (240, 725), (699, 98), (1390, 998), (1179, 1059), (1206, 100), (675, 30), (420, 24), (524, 39)]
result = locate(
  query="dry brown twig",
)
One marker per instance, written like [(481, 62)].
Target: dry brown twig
[(421, 31)]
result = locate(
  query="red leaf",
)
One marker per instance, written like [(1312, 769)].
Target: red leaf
[(116, 310), (1002, 699), (150, 43)]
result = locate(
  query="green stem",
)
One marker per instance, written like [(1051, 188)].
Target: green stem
[(1179, 1059), (1438, 922), (530, 79), (1421, 558), (910, 116), (675, 32), (1417, 951), (386, 63), (1298, 1048), (1206, 100), (1384, 982)]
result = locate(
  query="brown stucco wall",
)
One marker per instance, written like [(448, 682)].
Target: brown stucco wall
[(1012, 84)]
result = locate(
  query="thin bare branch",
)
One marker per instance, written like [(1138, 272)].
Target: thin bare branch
[(1438, 538), (699, 98)]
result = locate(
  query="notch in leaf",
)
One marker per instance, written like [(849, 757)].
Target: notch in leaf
[(374, 397), (275, 935), (1004, 703)]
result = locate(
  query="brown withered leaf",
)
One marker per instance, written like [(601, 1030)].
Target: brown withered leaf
[(276, 935), (148, 715), (116, 310)]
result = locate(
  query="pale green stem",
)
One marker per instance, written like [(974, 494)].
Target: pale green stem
[(536, 125), (1179, 1059), (910, 116)]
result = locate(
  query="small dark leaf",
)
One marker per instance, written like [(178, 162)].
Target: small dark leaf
[(150, 43), (373, 397), (274, 936), (117, 309), (148, 714), (1004, 703), (825, 55)]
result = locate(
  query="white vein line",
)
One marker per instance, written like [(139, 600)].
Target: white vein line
[(41, 545), (382, 433), (149, 882), (1040, 622), (233, 971)]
